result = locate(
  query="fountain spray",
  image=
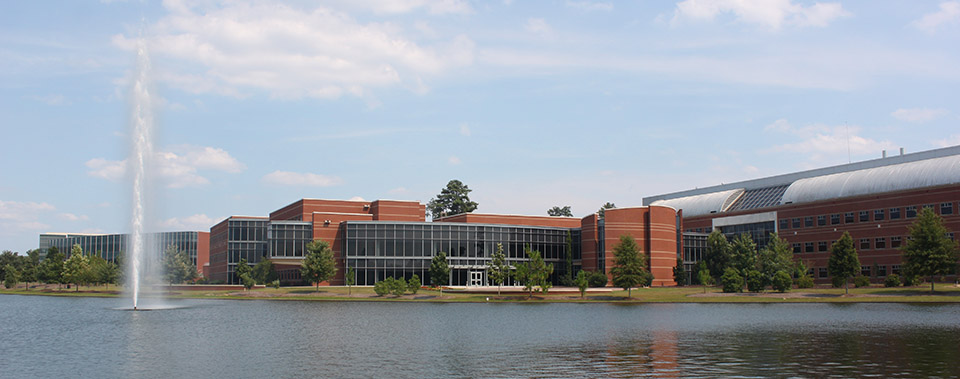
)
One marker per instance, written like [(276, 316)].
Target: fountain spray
[(140, 156)]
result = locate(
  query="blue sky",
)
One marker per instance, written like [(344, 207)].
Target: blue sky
[(531, 104)]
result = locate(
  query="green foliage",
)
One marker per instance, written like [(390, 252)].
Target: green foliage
[(275, 283), (243, 268), (414, 284), (911, 280), (452, 200), (382, 288), (582, 283), (892, 280), (928, 252), (628, 264), (7, 258), (264, 272), (10, 276), (805, 281), (498, 270), (781, 281), (350, 279), (558, 211), (247, 281), (717, 255), (76, 268), (568, 258), (775, 257), (534, 273), (603, 209), (800, 269), (844, 262), (319, 265), (837, 281), (28, 267), (103, 271), (177, 267), (703, 276), (679, 273), (398, 287), (755, 281), (861, 281), (597, 279), (51, 270), (731, 281), (743, 253), (439, 271)]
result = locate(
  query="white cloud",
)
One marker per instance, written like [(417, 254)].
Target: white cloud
[(198, 221), (356, 198), (772, 14), (953, 140), (287, 178), (465, 130), (819, 143), (453, 160), (436, 7), (17, 217), (918, 114), (949, 13), (537, 26), (236, 49), (178, 167), (590, 5), (72, 217)]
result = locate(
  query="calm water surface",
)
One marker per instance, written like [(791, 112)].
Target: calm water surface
[(88, 337)]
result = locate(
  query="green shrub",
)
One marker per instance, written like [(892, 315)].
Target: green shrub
[(248, 281), (731, 281), (893, 280), (381, 288), (646, 279), (275, 284), (781, 281), (911, 280), (837, 281), (754, 281), (398, 287), (861, 281), (805, 281), (597, 279), (414, 284)]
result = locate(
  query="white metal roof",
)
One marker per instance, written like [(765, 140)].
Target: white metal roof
[(714, 202), (918, 174)]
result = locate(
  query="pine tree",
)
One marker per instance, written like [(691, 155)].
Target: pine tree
[(844, 262), (928, 251), (628, 264), (439, 271), (498, 270), (319, 265)]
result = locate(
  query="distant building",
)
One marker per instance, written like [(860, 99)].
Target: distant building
[(110, 246), (875, 200)]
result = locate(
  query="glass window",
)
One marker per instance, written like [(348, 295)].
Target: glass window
[(796, 222), (808, 222), (823, 272), (822, 246), (784, 223), (880, 243), (878, 215), (848, 217), (835, 219), (808, 247), (895, 269), (865, 271), (864, 243), (894, 213), (911, 211), (796, 248), (821, 220), (881, 270), (864, 216), (946, 208), (895, 241)]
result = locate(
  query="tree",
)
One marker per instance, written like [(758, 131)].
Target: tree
[(10, 276), (628, 264), (498, 270), (568, 260), (247, 281), (7, 258), (775, 257), (29, 268), (602, 211), (754, 280), (452, 200), (102, 271), (76, 268), (414, 284), (243, 268), (52, 270), (319, 265), (177, 267), (597, 279), (743, 253), (560, 211), (264, 272), (704, 276), (717, 254), (534, 272), (582, 283), (781, 281), (731, 280), (843, 263), (928, 251), (350, 280), (439, 271), (679, 273)]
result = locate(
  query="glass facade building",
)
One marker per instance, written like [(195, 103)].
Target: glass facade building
[(378, 250), (110, 246)]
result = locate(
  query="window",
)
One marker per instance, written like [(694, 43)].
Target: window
[(878, 215), (796, 222), (821, 220), (864, 243), (784, 224), (864, 216), (865, 271), (928, 206), (895, 269), (835, 219), (807, 222), (822, 246), (894, 213), (808, 247), (823, 272), (895, 242), (950, 236), (880, 243), (881, 270), (946, 208), (911, 211), (848, 217), (796, 248)]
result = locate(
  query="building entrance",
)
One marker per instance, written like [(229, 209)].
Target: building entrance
[(476, 279)]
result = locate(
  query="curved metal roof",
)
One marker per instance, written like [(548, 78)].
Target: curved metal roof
[(925, 173), (714, 202)]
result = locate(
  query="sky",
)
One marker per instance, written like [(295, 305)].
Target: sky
[(532, 104)]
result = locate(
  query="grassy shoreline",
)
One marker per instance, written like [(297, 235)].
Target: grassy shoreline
[(946, 293)]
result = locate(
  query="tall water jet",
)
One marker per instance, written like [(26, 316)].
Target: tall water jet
[(139, 162)]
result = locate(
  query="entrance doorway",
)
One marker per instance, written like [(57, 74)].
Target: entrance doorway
[(476, 279)]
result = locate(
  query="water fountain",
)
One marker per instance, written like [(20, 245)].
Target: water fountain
[(139, 162)]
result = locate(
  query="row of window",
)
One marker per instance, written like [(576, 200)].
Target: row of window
[(861, 216), (867, 271), (865, 244)]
